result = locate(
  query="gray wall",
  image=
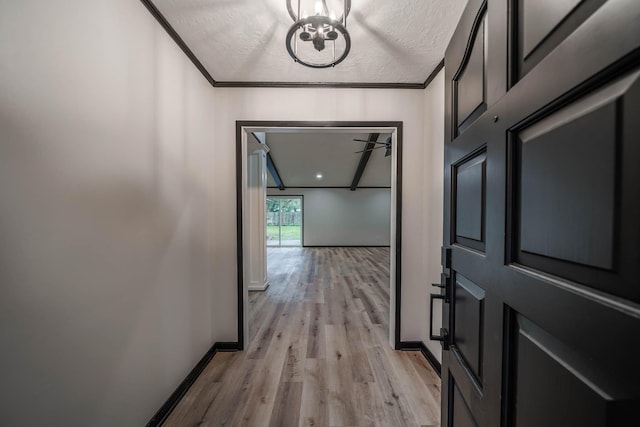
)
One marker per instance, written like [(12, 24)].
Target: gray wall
[(341, 217), (106, 285)]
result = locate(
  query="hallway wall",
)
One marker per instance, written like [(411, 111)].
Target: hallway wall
[(106, 153), (433, 205)]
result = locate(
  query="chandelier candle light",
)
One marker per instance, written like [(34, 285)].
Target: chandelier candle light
[(310, 35)]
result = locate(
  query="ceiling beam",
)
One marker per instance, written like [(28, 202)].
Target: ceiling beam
[(274, 172), (364, 159), (261, 138)]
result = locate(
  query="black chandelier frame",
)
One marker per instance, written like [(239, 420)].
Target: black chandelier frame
[(323, 28)]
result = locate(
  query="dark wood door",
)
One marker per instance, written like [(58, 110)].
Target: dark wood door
[(542, 215)]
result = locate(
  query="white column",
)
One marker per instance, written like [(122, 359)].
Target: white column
[(257, 217)]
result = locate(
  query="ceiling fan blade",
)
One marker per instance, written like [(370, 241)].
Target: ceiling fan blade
[(369, 149), (370, 142)]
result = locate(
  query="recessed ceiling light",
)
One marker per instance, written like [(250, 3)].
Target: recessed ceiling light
[(318, 176)]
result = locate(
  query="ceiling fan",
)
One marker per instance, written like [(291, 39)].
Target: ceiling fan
[(386, 144)]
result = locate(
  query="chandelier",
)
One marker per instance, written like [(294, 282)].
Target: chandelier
[(320, 40)]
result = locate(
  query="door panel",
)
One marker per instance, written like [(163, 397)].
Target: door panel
[(545, 373), (469, 201), (573, 230), (460, 413), (561, 221), (540, 25), (539, 18), (542, 200), (470, 82), (468, 325)]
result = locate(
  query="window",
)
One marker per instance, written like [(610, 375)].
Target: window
[(284, 221)]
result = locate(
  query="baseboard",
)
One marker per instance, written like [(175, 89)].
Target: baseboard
[(184, 386), (345, 246), (259, 287), (419, 346)]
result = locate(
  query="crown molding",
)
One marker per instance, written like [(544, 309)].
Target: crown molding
[(338, 85), (433, 74), (176, 38)]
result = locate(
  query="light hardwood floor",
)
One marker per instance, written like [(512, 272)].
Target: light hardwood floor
[(318, 353)]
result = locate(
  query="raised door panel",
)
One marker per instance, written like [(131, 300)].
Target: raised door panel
[(461, 415), (468, 313), (469, 194), (567, 190), (543, 372), (571, 179), (541, 25), (539, 18), (469, 83)]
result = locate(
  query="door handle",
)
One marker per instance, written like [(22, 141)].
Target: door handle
[(444, 334), (444, 295), (445, 282)]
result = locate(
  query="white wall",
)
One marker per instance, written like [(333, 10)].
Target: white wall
[(106, 148), (341, 217), (331, 105), (433, 204), (117, 207)]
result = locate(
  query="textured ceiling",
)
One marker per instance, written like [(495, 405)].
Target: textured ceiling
[(244, 40), (299, 157)]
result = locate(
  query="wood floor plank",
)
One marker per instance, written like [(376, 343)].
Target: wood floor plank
[(263, 388), (224, 408), (342, 410), (314, 410), (316, 339), (397, 409), (293, 369), (318, 352), (286, 411), (369, 404), (260, 344)]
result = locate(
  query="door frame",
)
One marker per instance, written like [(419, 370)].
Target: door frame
[(243, 128)]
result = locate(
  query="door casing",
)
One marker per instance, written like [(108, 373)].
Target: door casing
[(243, 129)]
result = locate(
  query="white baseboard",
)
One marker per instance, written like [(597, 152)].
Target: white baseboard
[(256, 286)]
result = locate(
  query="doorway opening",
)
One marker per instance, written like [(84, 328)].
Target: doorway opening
[(247, 130), (284, 221)]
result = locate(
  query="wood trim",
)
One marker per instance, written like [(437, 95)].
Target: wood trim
[(239, 214), (419, 346), (337, 85), (433, 74), (327, 187), (329, 85), (168, 406), (346, 246), (364, 160), (317, 124), (239, 236), (398, 234), (273, 170), (176, 38)]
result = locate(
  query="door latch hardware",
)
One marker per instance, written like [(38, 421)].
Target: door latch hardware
[(444, 334)]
